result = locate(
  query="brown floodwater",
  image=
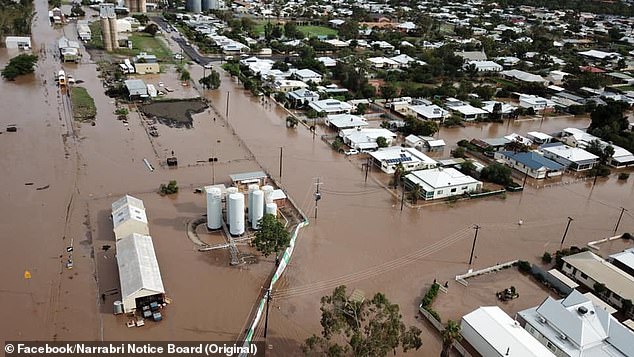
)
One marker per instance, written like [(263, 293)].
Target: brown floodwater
[(360, 237)]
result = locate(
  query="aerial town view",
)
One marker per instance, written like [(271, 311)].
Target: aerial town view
[(317, 178)]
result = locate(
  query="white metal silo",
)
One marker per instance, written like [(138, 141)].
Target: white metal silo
[(214, 207), (251, 188), (236, 207), (271, 208), (258, 208), (230, 191), (267, 193)]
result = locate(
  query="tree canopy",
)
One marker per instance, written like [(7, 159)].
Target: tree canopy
[(353, 327), (19, 65), (497, 173), (271, 237), (211, 81)]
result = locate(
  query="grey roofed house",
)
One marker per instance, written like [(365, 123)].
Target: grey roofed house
[(576, 327), (624, 260), (472, 55), (532, 160), (136, 87)]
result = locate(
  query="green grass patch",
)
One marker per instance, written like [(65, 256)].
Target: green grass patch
[(308, 31), (503, 82), (624, 88), (144, 42), (84, 108), (95, 35)]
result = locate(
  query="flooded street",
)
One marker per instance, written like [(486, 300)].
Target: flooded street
[(359, 237), (363, 240)]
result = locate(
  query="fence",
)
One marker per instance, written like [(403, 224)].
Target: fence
[(286, 257), (439, 327), (491, 269)]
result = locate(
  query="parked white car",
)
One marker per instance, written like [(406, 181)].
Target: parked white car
[(351, 152)]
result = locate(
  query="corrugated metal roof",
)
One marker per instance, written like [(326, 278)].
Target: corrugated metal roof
[(138, 267)]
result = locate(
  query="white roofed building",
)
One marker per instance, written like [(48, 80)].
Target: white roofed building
[(573, 158), (330, 106), (345, 121), (365, 138), (491, 332), (579, 138), (411, 159), (441, 183), (128, 216), (139, 272), (576, 327), (428, 112)]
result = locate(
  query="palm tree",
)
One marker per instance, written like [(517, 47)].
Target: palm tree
[(415, 193), (450, 334), (399, 170)]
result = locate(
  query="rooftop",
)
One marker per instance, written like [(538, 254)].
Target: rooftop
[(598, 269), (398, 154), (248, 176), (532, 160), (138, 267), (625, 257), (440, 177), (570, 153)]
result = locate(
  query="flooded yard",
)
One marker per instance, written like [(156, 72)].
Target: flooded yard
[(174, 113)]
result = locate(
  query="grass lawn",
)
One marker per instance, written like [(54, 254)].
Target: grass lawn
[(503, 82), (143, 42), (83, 105), (308, 31)]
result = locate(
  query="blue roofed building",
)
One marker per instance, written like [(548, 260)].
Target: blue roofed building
[(531, 163)]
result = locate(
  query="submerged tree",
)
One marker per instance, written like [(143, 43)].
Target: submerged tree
[(271, 237), (19, 65), (450, 334), (353, 327)]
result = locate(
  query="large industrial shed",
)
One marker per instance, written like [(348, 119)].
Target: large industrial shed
[(128, 216), (139, 273)]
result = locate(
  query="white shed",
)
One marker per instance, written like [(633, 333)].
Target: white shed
[(128, 216), (23, 43), (139, 272)]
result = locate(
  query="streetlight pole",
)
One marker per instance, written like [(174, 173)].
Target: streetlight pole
[(570, 219), (281, 158), (619, 221), (266, 320), (475, 237), (227, 109)]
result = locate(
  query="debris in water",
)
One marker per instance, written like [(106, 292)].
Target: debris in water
[(28, 183), (43, 187)]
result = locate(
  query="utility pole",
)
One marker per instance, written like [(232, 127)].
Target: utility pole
[(402, 198), (475, 237), (565, 232), (619, 221), (367, 168), (227, 109), (317, 196), (281, 154), (525, 177), (266, 319)]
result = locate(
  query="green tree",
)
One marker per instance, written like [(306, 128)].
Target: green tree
[(450, 334), (247, 24), (381, 142), (368, 327), (19, 65), (152, 29), (349, 29), (77, 11), (361, 108), (497, 173), (271, 236), (290, 29), (291, 122), (388, 91), (170, 188), (185, 76), (211, 81)]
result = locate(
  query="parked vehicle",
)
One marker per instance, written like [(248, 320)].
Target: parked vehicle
[(351, 152)]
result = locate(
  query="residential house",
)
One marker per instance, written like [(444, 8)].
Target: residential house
[(327, 61), (472, 56), (575, 159), (537, 103), (505, 110), (410, 159), (484, 66), (491, 144), (539, 138), (287, 85), (383, 62), (530, 163), (19, 42), (576, 327), (427, 112), (600, 55), (491, 332), (441, 183), (432, 144), (146, 64), (413, 141), (579, 138), (330, 106), (365, 138), (524, 76), (307, 75), (624, 260), (345, 121), (588, 269), (136, 88), (467, 112), (382, 45), (301, 97)]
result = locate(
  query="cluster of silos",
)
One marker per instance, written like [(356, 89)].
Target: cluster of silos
[(214, 207), (198, 6), (136, 5), (108, 20)]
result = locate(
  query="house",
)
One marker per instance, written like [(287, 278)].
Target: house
[(365, 138), (524, 76), (128, 216), (139, 273), (382, 45), (600, 55), (576, 327), (307, 75), (517, 138), (587, 269), (383, 62), (18, 42), (345, 121), (575, 159), (68, 50), (327, 61), (624, 260), (136, 88), (441, 183), (530, 163), (330, 106), (413, 141), (404, 60), (491, 332), (83, 30), (411, 159), (536, 103), (579, 138), (468, 112), (472, 56), (427, 112), (406, 26), (539, 137), (287, 85), (504, 110), (301, 97), (433, 144), (490, 144), (484, 66), (146, 64)]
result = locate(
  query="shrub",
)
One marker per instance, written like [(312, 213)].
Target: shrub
[(431, 294), (626, 236), (121, 111), (524, 266), (623, 176), (547, 258), (170, 188)]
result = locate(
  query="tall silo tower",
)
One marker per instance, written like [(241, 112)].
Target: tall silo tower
[(194, 6), (108, 20), (141, 6)]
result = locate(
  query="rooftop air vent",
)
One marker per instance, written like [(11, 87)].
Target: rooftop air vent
[(582, 310)]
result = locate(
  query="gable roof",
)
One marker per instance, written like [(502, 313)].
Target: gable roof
[(138, 267), (532, 160)]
